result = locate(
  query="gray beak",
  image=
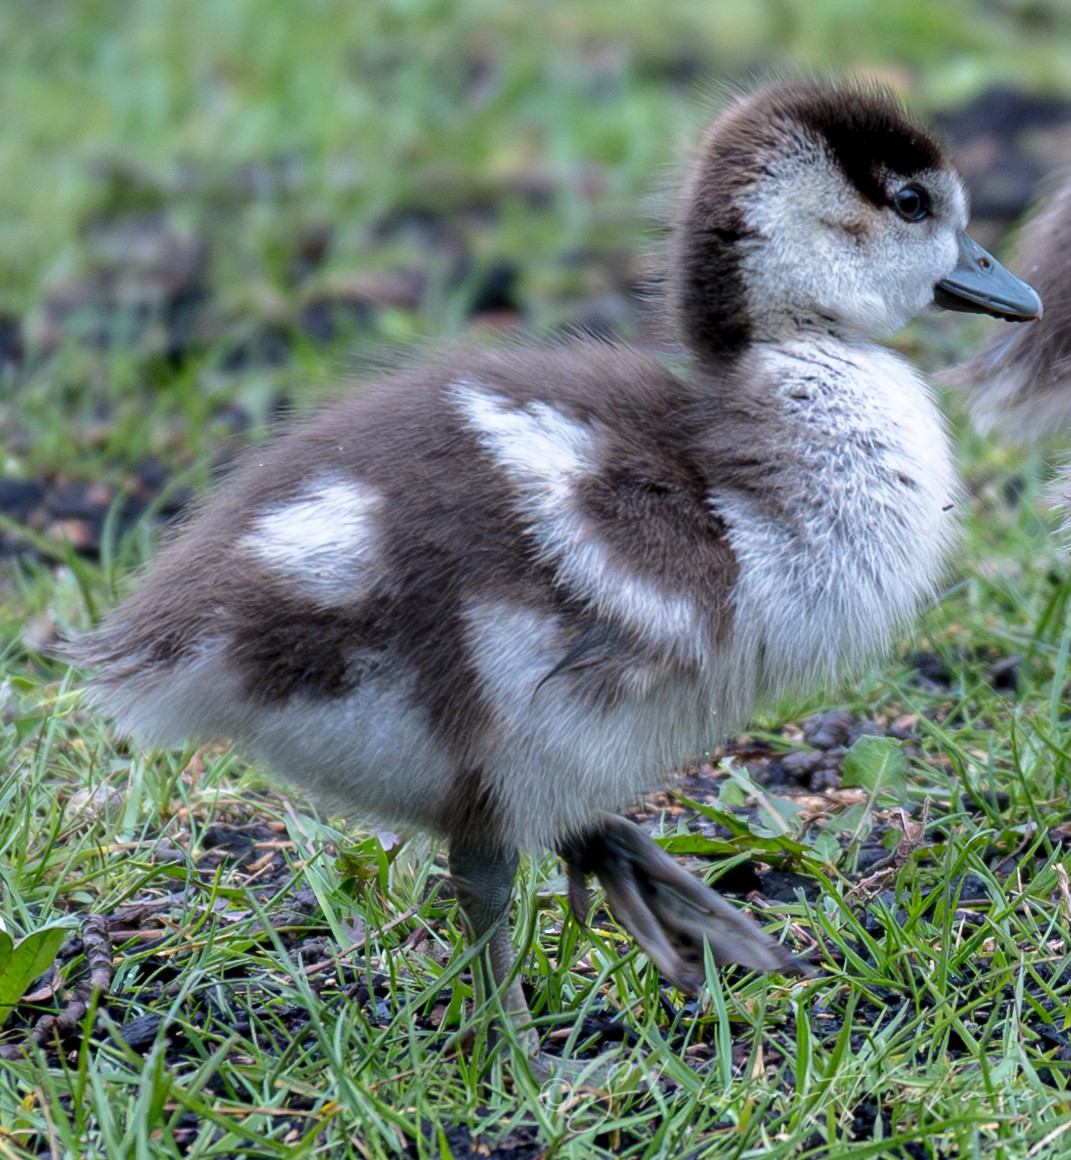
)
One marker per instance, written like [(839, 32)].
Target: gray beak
[(980, 285)]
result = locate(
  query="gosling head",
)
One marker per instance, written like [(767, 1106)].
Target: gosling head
[(825, 205)]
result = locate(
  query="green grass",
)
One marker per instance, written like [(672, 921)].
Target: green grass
[(540, 140)]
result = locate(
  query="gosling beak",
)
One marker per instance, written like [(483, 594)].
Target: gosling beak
[(980, 285)]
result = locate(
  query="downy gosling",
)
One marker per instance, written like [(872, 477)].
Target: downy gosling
[(1019, 383), (499, 597)]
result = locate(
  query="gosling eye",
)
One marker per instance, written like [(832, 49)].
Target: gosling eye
[(912, 203)]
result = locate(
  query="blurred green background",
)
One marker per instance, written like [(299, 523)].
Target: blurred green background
[(352, 108), (212, 211)]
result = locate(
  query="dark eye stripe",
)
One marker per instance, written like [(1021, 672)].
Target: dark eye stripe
[(869, 139)]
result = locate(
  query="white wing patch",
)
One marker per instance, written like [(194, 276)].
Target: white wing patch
[(547, 455), (545, 450), (326, 541)]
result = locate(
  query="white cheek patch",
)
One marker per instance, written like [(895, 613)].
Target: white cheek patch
[(958, 212), (546, 455), (326, 542), (826, 248)]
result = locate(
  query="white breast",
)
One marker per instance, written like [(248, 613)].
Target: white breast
[(824, 589)]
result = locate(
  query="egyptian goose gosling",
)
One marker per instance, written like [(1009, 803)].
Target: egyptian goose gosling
[(1020, 381), (499, 597)]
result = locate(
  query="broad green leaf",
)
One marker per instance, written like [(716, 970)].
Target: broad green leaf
[(698, 844), (826, 848), (20, 964), (732, 793), (876, 763), (778, 850), (778, 813), (736, 826)]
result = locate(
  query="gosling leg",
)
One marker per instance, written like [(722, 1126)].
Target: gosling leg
[(483, 879)]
